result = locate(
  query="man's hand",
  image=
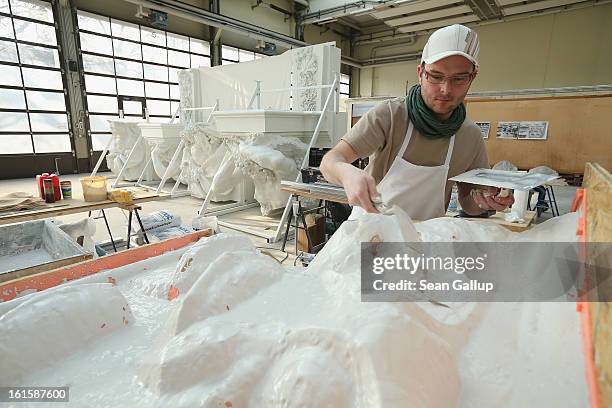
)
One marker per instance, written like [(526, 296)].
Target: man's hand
[(488, 198), (359, 186)]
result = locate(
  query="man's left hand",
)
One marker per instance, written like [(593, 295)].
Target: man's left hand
[(488, 198)]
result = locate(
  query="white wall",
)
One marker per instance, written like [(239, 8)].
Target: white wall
[(571, 48)]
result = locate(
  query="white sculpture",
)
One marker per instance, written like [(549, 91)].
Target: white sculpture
[(252, 140), (268, 159), (205, 147), (162, 140), (266, 134), (125, 133)]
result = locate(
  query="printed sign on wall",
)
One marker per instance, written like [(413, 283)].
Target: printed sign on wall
[(535, 130), (484, 128)]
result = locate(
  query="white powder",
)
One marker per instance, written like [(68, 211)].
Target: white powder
[(25, 260), (246, 332)]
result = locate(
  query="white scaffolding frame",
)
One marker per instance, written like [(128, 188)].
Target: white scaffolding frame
[(178, 153)]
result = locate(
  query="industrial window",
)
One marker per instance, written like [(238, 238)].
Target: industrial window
[(233, 55), (33, 116), (345, 85), (129, 67)]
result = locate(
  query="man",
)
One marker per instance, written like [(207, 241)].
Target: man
[(418, 142)]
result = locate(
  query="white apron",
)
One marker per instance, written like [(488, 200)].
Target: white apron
[(418, 190)]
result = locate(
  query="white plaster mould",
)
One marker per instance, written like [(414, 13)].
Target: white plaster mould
[(246, 331)]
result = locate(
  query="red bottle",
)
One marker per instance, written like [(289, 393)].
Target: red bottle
[(57, 192), (56, 187), (40, 178)]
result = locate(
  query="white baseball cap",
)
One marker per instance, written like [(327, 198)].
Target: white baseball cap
[(455, 39)]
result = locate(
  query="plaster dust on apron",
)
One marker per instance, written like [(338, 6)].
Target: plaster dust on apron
[(418, 190), (245, 331)]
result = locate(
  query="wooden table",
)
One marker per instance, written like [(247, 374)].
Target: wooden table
[(74, 206), (297, 193), (499, 218), (314, 196)]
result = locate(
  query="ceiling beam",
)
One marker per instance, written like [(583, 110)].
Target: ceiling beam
[(435, 24), (197, 14), (412, 7), (540, 5), (503, 3), (432, 15)]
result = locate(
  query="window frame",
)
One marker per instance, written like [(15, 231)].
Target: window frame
[(68, 132), (166, 48)]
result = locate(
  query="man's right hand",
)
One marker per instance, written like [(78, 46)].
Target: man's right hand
[(359, 186)]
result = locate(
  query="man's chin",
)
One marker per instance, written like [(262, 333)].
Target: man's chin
[(442, 107), (444, 110)]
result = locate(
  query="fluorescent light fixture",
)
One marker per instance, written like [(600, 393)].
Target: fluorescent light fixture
[(326, 20), (354, 11), (412, 7), (503, 3), (432, 15), (436, 24), (540, 5)]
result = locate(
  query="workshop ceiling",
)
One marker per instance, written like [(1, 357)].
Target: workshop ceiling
[(414, 16)]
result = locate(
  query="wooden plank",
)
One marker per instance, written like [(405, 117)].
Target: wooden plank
[(499, 219), (44, 280), (74, 206), (598, 213), (47, 266), (315, 196), (578, 130)]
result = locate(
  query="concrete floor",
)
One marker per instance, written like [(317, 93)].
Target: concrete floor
[(564, 196), (186, 207)]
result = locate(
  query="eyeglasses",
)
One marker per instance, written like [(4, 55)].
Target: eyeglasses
[(458, 80)]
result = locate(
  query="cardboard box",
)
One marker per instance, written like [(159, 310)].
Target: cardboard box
[(315, 223)]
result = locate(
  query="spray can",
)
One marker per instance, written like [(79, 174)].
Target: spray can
[(49, 190)]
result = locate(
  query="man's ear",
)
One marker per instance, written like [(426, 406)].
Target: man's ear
[(420, 72)]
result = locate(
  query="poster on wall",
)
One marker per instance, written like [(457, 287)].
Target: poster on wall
[(534, 130), (484, 128), (507, 130)]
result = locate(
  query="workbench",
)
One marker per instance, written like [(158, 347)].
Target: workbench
[(79, 205), (296, 193), (74, 206), (499, 219)]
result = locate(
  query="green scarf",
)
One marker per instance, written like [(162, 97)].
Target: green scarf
[(425, 120)]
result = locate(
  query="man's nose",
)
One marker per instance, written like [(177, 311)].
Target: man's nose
[(446, 86)]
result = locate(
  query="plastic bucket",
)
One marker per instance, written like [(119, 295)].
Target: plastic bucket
[(94, 188)]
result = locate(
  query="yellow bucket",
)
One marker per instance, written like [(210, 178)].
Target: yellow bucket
[(94, 188)]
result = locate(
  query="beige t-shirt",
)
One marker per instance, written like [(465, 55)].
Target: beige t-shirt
[(380, 134)]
